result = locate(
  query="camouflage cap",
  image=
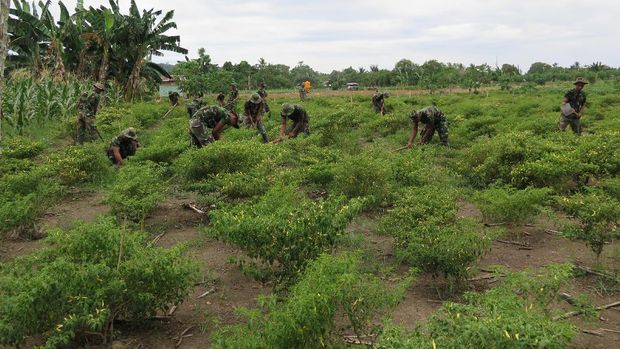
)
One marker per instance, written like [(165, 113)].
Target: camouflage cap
[(580, 80), (287, 109), (262, 84), (99, 86), (130, 133), (255, 98)]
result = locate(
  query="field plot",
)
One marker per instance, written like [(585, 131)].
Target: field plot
[(505, 239)]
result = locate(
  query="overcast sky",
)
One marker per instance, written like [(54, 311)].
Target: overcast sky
[(335, 34)]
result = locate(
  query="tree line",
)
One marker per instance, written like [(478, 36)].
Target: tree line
[(200, 75), (101, 44)]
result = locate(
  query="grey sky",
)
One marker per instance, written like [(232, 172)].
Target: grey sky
[(336, 34)]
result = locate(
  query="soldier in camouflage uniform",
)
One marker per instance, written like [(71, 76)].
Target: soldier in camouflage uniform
[(301, 121), (434, 120), (254, 108), (574, 105), (194, 106), (378, 101), (173, 97), (213, 117), (262, 92), (123, 146), (233, 96), (87, 109)]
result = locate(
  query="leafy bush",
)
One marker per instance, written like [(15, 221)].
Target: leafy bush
[(507, 204), (283, 228), (79, 164), (430, 237), (612, 187), (504, 317), (90, 276), (223, 157), (598, 214), (138, 189), (363, 175), (21, 148), (306, 318), (23, 196)]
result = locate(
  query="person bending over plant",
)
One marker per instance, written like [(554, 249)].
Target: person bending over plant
[(300, 119), (434, 120), (213, 117), (254, 109), (123, 146)]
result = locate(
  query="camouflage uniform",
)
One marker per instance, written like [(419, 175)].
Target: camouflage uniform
[(231, 103), (434, 120), (87, 109), (378, 100), (301, 121), (263, 95), (126, 143), (576, 100), (193, 106), (254, 111), (206, 117)]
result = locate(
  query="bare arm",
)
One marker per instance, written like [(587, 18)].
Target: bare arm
[(217, 130), (282, 129), (414, 133), (118, 159)]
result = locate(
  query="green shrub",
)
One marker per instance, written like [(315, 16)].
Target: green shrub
[(23, 196), (430, 237), (307, 318), (363, 175), (81, 284), (612, 187), (504, 317), (12, 166), (283, 228), (80, 164), (598, 214), (507, 204), (137, 191), (225, 157), (21, 148)]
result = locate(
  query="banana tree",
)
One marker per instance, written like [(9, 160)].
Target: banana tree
[(103, 22), (144, 37)]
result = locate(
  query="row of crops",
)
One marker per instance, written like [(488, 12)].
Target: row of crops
[(288, 206)]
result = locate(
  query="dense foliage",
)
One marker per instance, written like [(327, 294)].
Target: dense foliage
[(86, 279), (307, 318), (512, 315)]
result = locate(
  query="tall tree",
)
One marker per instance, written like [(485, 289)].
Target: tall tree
[(4, 43)]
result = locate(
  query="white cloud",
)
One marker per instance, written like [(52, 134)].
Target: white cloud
[(338, 33)]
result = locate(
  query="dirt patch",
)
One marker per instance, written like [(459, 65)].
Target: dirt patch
[(78, 206)]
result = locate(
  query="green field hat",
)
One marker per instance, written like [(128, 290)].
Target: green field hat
[(255, 98), (99, 86), (130, 133), (580, 80), (287, 109)]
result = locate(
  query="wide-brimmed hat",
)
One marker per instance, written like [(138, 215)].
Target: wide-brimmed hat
[(580, 81), (255, 98), (99, 86), (287, 109), (130, 133)]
